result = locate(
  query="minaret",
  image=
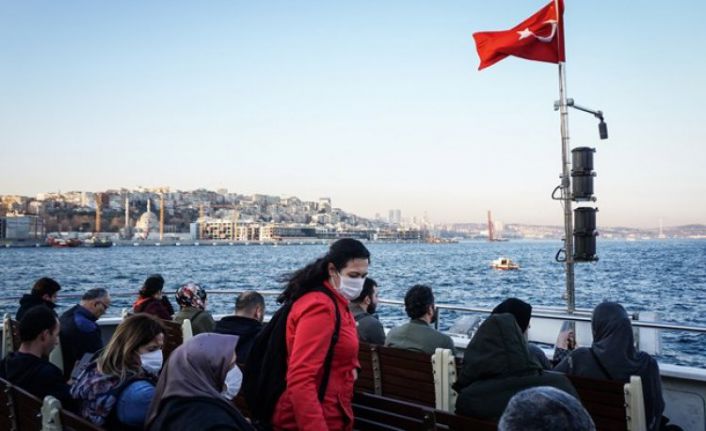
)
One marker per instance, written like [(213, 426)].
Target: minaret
[(127, 216), (149, 211)]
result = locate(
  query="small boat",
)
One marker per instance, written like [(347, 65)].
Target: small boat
[(503, 263)]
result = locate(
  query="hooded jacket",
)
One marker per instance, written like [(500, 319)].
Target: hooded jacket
[(497, 365), (153, 306), (612, 356), (37, 376), (245, 328), (28, 301)]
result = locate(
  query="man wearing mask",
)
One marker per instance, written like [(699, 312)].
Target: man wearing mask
[(418, 334), (246, 323), (363, 308)]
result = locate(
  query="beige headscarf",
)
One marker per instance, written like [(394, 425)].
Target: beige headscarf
[(197, 368)]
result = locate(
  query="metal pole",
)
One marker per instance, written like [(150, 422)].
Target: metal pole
[(566, 192)]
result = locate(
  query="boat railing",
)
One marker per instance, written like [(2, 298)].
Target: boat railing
[(551, 313)]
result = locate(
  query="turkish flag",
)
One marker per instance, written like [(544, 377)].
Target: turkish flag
[(539, 37)]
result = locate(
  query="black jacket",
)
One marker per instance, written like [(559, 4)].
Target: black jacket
[(198, 413), (28, 301), (37, 376), (496, 366), (245, 328), (79, 335)]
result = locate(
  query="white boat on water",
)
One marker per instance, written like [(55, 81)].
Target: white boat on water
[(504, 264)]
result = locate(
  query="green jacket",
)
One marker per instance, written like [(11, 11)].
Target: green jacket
[(496, 366), (420, 336), (201, 320)]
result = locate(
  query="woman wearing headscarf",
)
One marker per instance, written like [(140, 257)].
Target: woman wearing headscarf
[(196, 387), (496, 366), (612, 356), (192, 303), (150, 299), (523, 313)]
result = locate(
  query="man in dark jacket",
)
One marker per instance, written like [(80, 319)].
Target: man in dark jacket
[(44, 292), (496, 366), (370, 329), (246, 324), (29, 368), (79, 332)]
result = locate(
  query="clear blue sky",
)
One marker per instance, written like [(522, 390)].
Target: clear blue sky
[(378, 105)]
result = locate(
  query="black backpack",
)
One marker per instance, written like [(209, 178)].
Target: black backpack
[(265, 376)]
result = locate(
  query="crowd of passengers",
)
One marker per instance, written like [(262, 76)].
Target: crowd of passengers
[(330, 307)]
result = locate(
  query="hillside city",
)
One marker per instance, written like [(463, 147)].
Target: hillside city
[(159, 214)]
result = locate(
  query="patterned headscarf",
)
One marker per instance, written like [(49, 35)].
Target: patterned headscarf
[(191, 295)]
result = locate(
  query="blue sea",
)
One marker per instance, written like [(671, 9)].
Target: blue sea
[(668, 277)]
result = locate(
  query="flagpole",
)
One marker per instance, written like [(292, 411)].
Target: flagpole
[(565, 174)]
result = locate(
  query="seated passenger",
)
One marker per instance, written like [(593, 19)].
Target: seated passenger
[(192, 303), (363, 308), (44, 292), (612, 356), (116, 388), (496, 366), (523, 312), (29, 368), (246, 324), (418, 334), (545, 409), (196, 386), (151, 300), (79, 332)]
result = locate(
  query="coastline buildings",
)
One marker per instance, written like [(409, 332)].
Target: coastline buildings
[(22, 227)]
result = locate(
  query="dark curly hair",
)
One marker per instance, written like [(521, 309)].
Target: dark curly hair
[(417, 300), (314, 274)]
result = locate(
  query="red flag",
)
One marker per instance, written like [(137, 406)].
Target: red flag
[(539, 37)]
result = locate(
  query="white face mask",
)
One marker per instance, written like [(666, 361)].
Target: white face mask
[(234, 379), (152, 361), (350, 288)]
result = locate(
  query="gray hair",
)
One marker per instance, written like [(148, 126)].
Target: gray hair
[(95, 293), (544, 408)]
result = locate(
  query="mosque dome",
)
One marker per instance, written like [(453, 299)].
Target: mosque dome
[(147, 221)]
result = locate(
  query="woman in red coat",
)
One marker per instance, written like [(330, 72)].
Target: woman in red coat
[(310, 326)]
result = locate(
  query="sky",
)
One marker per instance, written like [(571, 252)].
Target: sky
[(378, 105)]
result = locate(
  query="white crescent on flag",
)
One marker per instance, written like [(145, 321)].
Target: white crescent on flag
[(527, 32)]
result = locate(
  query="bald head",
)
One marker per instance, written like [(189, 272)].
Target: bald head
[(250, 304)]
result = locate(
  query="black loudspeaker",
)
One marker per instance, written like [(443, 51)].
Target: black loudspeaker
[(582, 173), (585, 234)]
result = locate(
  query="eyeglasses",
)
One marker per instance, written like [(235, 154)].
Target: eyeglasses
[(105, 306)]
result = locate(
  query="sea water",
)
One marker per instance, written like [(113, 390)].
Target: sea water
[(668, 276)]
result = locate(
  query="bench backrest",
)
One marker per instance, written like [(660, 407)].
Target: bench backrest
[(373, 412), (604, 400), (72, 422), (28, 409), (407, 375), (451, 422), (174, 335), (8, 416)]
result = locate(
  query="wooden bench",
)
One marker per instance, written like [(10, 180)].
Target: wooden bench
[(28, 409), (10, 335), (22, 411), (174, 335), (612, 405), (376, 413)]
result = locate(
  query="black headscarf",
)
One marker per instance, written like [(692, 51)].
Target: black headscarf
[(518, 308)]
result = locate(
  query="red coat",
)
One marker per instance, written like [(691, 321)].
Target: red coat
[(310, 325)]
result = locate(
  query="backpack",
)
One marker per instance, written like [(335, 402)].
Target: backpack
[(265, 376), (99, 393)]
